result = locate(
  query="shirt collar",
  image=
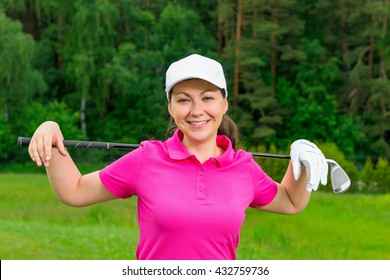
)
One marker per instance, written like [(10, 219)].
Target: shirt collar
[(177, 151)]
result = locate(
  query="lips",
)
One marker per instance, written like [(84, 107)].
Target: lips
[(198, 123)]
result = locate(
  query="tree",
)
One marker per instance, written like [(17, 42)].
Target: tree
[(258, 52), (224, 14), (89, 47), (382, 175), (175, 34), (366, 91), (19, 81), (137, 71), (315, 108), (295, 68)]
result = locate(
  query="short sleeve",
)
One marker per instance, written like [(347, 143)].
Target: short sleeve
[(120, 177), (265, 188)]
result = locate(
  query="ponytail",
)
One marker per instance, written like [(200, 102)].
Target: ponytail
[(229, 128)]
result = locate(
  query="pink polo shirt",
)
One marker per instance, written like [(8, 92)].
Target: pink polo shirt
[(189, 210)]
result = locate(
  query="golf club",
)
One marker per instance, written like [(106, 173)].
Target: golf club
[(339, 179)]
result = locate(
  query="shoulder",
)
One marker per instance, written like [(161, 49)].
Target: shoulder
[(148, 151), (242, 155), (151, 144), (244, 158), (147, 147), (153, 148), (241, 160)]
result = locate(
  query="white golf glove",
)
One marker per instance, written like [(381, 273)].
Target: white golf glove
[(308, 154)]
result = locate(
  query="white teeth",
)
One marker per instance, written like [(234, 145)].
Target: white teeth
[(198, 123)]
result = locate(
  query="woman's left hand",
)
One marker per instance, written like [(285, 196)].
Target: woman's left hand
[(306, 153)]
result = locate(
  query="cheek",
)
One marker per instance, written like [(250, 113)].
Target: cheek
[(218, 111), (177, 112)]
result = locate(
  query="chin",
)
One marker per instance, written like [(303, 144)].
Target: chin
[(201, 136)]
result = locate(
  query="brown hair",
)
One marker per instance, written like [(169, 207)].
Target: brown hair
[(227, 127)]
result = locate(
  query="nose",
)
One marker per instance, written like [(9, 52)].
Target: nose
[(197, 109)]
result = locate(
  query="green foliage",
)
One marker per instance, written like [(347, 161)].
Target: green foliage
[(258, 103), (367, 183), (68, 120), (375, 178), (19, 81), (88, 48), (382, 175), (6, 139), (176, 28), (303, 71), (312, 103), (36, 114), (138, 106)]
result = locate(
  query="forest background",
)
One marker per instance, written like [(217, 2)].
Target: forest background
[(313, 69)]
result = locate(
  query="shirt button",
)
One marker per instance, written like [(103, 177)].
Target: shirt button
[(201, 173), (201, 188)]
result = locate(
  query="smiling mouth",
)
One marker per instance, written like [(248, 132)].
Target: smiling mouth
[(198, 123)]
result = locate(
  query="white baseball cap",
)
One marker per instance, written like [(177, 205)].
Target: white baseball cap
[(195, 66)]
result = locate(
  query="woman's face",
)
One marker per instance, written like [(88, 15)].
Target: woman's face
[(197, 107)]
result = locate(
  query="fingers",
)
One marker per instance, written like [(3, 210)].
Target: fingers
[(47, 148), (324, 173), (295, 161), (311, 173), (308, 154), (40, 150), (318, 172), (59, 143), (33, 151), (296, 167), (45, 137)]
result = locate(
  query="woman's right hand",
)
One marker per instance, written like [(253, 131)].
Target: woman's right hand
[(47, 135)]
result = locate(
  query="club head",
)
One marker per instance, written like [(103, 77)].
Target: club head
[(339, 178)]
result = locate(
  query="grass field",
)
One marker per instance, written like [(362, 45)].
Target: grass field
[(34, 225)]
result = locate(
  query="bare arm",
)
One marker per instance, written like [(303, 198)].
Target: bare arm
[(69, 185), (292, 196)]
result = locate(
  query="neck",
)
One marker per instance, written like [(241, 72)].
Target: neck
[(203, 151)]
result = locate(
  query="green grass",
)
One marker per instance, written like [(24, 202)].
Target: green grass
[(333, 227), (35, 225)]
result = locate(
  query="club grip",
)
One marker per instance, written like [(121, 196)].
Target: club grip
[(25, 142)]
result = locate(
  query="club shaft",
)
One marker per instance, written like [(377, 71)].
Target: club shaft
[(25, 142)]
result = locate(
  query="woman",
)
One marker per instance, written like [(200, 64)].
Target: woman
[(193, 189)]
